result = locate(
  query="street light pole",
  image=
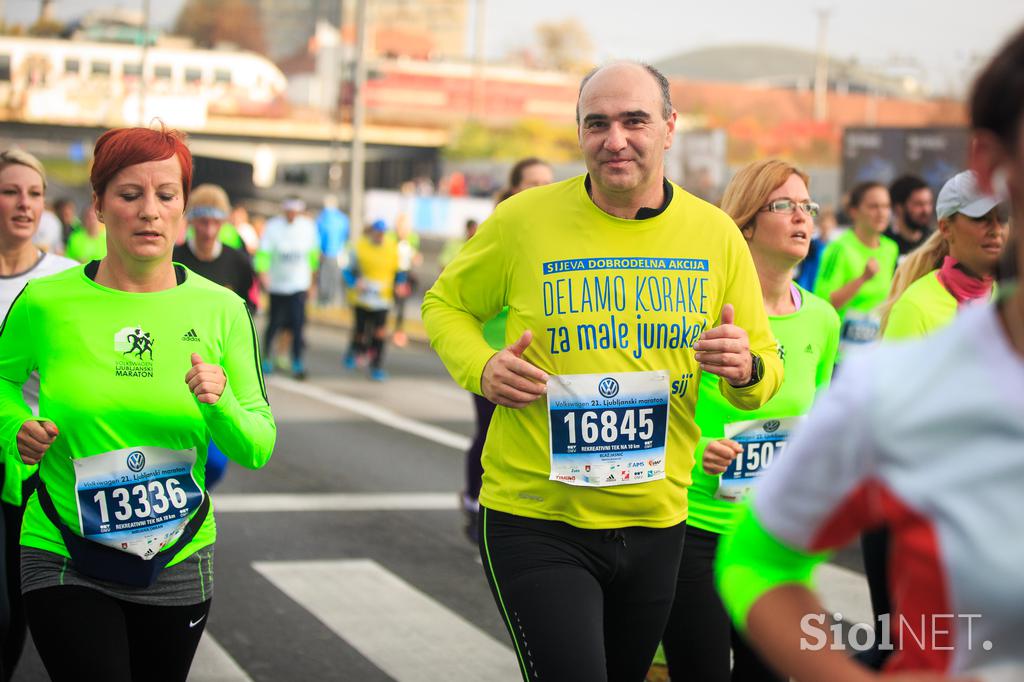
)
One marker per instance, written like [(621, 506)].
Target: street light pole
[(821, 69), (479, 24), (336, 74), (358, 156), (142, 66)]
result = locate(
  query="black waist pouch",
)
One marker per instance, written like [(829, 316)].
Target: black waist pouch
[(106, 563)]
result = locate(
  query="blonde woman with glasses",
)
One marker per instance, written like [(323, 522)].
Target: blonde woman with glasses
[(771, 205)]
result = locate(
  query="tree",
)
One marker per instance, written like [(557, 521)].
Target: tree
[(565, 46), (46, 28), (210, 22), (527, 137)]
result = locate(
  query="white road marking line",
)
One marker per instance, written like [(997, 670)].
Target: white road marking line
[(399, 629), (373, 412), (444, 391), (846, 592), (213, 664), (281, 502)]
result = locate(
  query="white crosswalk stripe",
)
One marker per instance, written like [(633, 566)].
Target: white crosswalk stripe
[(401, 630), (213, 664)]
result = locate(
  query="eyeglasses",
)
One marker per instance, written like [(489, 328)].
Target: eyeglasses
[(788, 206)]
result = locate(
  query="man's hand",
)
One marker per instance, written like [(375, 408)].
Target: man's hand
[(206, 381), (725, 350), (509, 380), (719, 454), (34, 439)]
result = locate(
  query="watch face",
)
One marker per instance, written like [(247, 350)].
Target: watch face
[(756, 367)]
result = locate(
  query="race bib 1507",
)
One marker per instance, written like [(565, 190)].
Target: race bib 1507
[(762, 440)]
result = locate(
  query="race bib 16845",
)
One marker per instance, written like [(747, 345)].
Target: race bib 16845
[(608, 429)]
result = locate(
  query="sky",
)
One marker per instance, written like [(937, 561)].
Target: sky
[(946, 42)]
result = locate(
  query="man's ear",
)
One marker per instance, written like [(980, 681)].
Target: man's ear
[(671, 132)]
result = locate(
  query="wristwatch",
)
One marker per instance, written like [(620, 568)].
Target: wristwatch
[(756, 370)]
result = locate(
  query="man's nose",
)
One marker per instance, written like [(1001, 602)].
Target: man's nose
[(616, 139)]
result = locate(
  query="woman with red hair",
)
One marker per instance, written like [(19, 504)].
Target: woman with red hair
[(119, 534)]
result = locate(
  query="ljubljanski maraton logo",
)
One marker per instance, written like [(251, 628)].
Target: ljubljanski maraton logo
[(136, 461), (608, 387), (136, 348)]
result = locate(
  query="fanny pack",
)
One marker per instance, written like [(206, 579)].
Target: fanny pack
[(106, 563)]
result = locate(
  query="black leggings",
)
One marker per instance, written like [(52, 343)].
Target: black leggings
[(874, 546), (699, 633), (368, 334), (287, 311), (400, 302), (6, 670), (474, 469), (586, 605), (82, 634), (15, 627)]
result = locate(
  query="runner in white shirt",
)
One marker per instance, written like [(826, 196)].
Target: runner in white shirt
[(49, 233), (22, 196), (286, 260)]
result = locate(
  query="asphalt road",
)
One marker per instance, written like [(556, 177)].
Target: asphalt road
[(344, 558)]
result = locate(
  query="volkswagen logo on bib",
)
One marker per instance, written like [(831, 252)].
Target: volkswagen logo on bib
[(136, 461), (771, 426), (608, 387)]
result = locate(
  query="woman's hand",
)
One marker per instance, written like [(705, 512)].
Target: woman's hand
[(719, 454), (870, 270), (206, 381), (34, 439)]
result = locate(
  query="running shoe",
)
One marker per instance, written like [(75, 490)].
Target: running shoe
[(349, 361), (378, 374), (267, 366), (298, 370)]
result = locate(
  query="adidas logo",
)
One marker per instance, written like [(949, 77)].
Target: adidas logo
[(190, 335), (809, 349)]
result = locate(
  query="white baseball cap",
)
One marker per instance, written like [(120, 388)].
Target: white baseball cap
[(961, 194)]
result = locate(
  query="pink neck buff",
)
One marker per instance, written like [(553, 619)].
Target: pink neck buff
[(964, 287)]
